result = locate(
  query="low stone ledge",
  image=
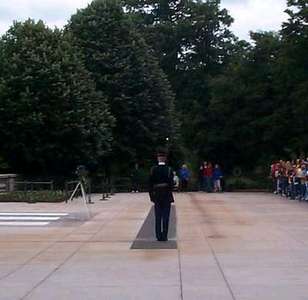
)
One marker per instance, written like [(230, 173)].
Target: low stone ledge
[(7, 182)]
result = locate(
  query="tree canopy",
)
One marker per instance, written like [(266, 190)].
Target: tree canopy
[(127, 72), (52, 117), (125, 77)]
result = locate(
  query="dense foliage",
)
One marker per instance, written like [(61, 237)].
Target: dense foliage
[(259, 103), (126, 70), (168, 68), (33, 196), (52, 118), (193, 43)]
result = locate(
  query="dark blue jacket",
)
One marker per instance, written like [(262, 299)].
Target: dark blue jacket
[(217, 174), (161, 184), (184, 174)]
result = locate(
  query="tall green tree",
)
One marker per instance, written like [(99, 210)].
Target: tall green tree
[(259, 104), (51, 116), (193, 42), (126, 70), (293, 79), (243, 107), (186, 35)]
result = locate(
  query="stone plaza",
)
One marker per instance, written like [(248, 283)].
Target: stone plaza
[(222, 246)]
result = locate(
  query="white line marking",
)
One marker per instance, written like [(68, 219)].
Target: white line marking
[(32, 214), (23, 223), (17, 218)]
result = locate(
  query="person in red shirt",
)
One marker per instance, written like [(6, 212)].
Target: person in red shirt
[(208, 177), (275, 174)]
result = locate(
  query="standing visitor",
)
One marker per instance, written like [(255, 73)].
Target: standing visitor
[(208, 177), (291, 177), (160, 190), (184, 175), (176, 181), (200, 177), (297, 180), (306, 183), (217, 176), (275, 175), (284, 178), (202, 169), (302, 172), (288, 171), (135, 179)]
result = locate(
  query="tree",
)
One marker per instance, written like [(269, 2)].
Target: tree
[(244, 105), (125, 69), (186, 35), (51, 116), (293, 80), (193, 43)]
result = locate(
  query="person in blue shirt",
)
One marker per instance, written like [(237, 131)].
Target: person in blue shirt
[(217, 176), (184, 175)]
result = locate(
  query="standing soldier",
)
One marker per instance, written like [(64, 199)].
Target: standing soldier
[(160, 190)]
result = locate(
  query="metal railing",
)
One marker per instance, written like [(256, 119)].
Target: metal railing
[(31, 186)]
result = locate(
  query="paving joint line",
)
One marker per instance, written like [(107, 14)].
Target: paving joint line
[(34, 256), (180, 272), (179, 259), (69, 257), (220, 267), (218, 264)]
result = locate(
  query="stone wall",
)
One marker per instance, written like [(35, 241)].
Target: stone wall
[(7, 182)]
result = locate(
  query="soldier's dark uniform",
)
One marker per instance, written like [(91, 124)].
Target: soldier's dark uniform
[(161, 185)]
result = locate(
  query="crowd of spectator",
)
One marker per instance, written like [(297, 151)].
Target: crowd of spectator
[(210, 178), (290, 178)]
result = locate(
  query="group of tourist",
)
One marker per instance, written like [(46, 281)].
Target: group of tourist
[(210, 178), (290, 178)]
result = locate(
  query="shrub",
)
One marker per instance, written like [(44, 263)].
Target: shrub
[(244, 183), (33, 196)]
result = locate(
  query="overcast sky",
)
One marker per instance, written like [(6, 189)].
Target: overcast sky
[(248, 14)]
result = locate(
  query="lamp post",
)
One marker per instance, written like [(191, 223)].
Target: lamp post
[(167, 144)]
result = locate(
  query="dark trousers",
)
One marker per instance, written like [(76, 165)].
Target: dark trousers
[(208, 184), (184, 185), (162, 213)]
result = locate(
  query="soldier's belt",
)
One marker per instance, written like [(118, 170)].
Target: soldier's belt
[(160, 185)]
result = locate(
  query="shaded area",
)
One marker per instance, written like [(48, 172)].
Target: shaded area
[(146, 237)]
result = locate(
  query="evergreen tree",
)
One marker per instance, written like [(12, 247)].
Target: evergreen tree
[(51, 116), (238, 103), (293, 74), (244, 104), (193, 42), (126, 70)]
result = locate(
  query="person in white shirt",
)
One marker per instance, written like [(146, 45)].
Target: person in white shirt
[(176, 181)]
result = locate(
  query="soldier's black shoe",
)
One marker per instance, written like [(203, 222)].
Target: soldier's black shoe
[(159, 238)]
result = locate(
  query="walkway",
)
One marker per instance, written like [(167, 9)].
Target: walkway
[(227, 246)]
